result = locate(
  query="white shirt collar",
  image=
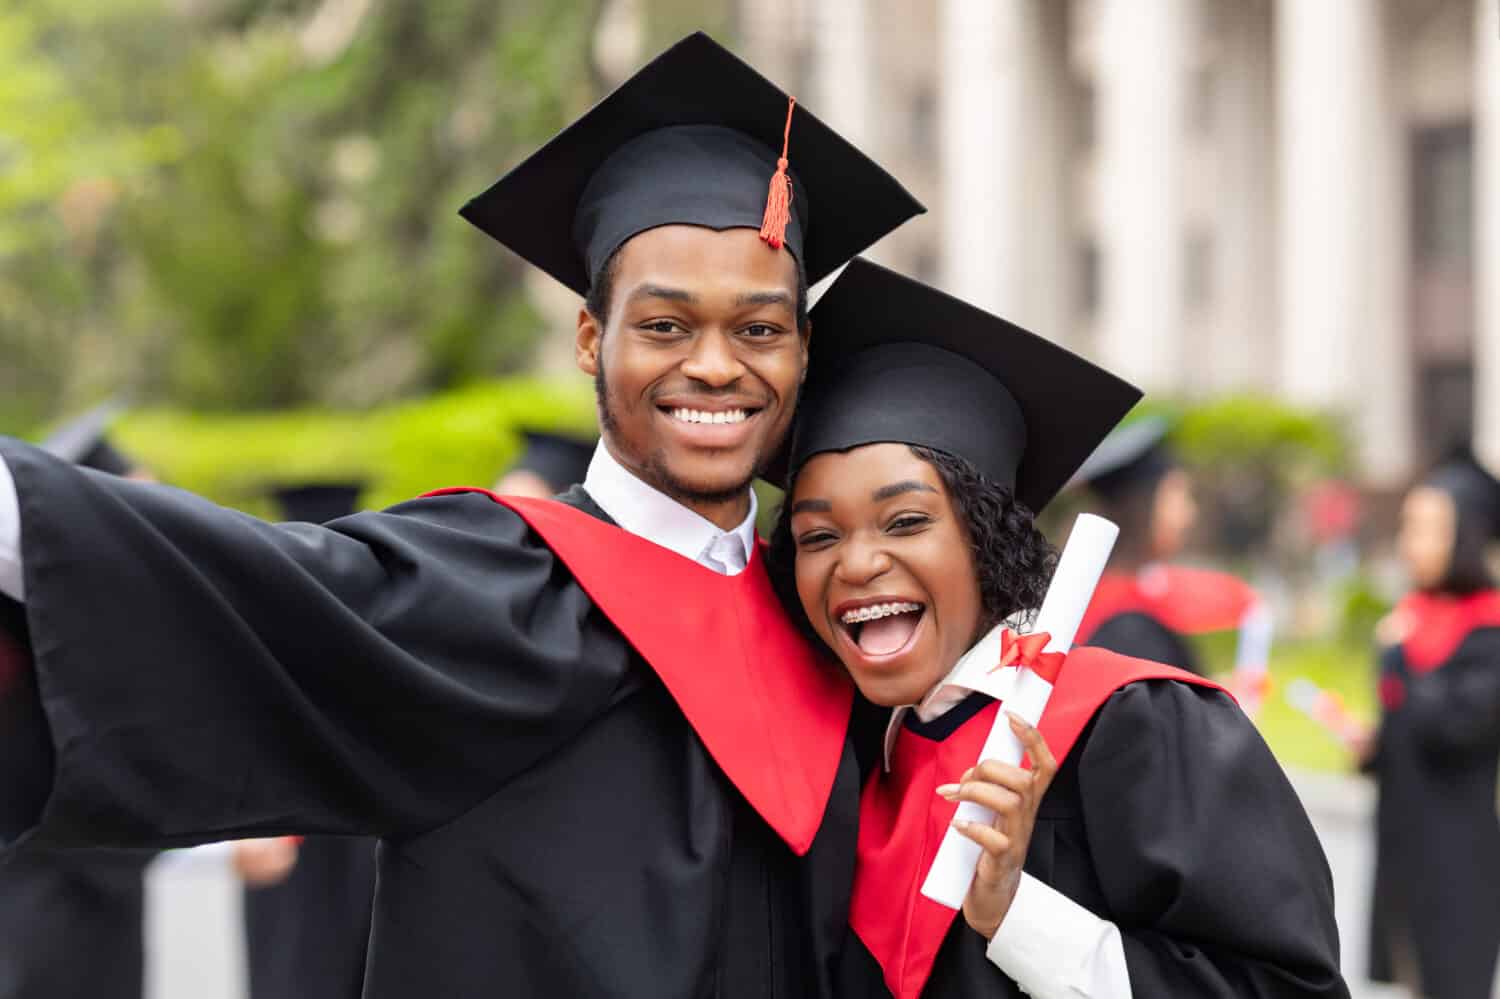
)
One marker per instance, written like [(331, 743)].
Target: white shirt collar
[(655, 516), (973, 672)]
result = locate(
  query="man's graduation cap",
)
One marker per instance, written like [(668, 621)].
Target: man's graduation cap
[(85, 441), (317, 502), (1131, 457), (559, 460), (697, 137), (894, 360)]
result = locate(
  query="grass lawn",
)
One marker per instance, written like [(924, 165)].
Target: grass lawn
[(1345, 667)]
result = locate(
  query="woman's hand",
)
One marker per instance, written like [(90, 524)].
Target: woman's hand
[(1013, 795)]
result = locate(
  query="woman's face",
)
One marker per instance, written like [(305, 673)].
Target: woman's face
[(885, 570), (1429, 522), (1173, 514)]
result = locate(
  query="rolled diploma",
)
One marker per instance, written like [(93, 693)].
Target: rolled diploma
[(1073, 584)]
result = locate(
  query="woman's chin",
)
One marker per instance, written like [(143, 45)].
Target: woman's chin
[(891, 690)]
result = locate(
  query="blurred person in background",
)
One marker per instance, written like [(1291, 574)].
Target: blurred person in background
[(549, 464), (600, 758), (1435, 913), (1145, 606), (72, 922), (308, 900)]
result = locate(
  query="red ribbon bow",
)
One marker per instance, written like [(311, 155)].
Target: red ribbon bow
[(1026, 651)]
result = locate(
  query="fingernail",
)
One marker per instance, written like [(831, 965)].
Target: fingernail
[(1018, 720), (961, 824), (949, 791)]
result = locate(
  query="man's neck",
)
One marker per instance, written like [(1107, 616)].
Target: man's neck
[(726, 515)]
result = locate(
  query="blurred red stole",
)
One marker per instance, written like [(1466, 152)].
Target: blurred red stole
[(1187, 601), (771, 710), (902, 820), (1436, 624)]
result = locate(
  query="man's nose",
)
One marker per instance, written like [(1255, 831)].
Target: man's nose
[(713, 360)]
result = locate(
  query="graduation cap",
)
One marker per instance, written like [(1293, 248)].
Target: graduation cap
[(697, 137), (894, 360), (317, 502), (1131, 457), (84, 441), (557, 459)]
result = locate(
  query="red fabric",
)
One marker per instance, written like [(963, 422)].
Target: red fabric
[(1436, 624), (1188, 601), (771, 711), (1026, 651), (902, 820)]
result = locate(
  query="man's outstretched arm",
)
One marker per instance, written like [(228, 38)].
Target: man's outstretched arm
[(206, 675)]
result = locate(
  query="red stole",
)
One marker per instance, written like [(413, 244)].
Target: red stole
[(771, 711), (902, 820), (1187, 601), (1434, 625)]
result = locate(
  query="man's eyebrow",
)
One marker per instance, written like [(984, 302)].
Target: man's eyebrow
[(897, 488), (812, 506), (764, 298), (662, 291)]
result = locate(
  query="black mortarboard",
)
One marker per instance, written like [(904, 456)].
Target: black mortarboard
[(85, 442), (894, 360), (1131, 457), (317, 502), (561, 461), (693, 138)]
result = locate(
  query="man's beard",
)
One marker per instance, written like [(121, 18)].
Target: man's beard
[(654, 471)]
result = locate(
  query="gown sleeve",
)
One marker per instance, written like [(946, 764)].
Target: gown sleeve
[(203, 675), (1208, 863), (1455, 710)]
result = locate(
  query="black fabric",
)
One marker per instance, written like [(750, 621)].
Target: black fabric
[(317, 503), (1132, 458), (72, 924), (692, 138), (560, 461), (1171, 819), (307, 935), (949, 721), (894, 360), (550, 822), (1437, 857), (1138, 634)]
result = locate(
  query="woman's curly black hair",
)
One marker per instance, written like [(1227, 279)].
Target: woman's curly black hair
[(1013, 559)]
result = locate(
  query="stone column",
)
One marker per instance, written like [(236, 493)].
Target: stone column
[(1004, 100), (1142, 49), (1487, 229), (1343, 234), (842, 80)]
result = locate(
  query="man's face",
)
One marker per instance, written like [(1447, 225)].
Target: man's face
[(699, 360)]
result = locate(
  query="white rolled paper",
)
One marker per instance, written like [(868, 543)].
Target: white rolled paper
[(1073, 584)]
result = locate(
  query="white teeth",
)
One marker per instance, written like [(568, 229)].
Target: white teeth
[(875, 611), (703, 416)]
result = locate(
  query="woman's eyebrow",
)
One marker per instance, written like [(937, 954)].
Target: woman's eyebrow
[(897, 488), (812, 506)]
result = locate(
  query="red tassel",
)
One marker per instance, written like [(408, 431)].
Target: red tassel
[(779, 198)]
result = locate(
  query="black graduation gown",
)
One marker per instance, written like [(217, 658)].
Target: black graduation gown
[(1437, 857), (551, 822), (1140, 635), (1171, 818), (307, 935), (71, 921)]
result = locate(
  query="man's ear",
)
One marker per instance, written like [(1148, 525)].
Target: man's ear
[(586, 344), (806, 336)]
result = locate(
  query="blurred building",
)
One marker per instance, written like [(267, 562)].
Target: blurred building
[(1293, 196)]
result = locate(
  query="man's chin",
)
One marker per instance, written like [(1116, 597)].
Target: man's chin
[(687, 484)]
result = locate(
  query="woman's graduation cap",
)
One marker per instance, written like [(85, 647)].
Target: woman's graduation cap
[(85, 441), (894, 360), (1131, 457), (697, 137)]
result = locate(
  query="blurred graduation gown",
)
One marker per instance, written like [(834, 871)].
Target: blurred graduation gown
[(577, 793), (1437, 860)]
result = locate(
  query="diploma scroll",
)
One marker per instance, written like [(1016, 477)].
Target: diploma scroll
[(1073, 584)]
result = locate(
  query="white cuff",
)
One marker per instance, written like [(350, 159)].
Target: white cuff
[(11, 583), (1054, 948)]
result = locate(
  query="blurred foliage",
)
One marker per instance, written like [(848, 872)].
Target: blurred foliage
[(467, 436), (252, 203)]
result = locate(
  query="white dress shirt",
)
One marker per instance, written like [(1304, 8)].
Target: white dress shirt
[(1048, 944), (655, 516)]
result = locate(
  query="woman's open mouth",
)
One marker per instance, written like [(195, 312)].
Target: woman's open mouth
[(883, 628)]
